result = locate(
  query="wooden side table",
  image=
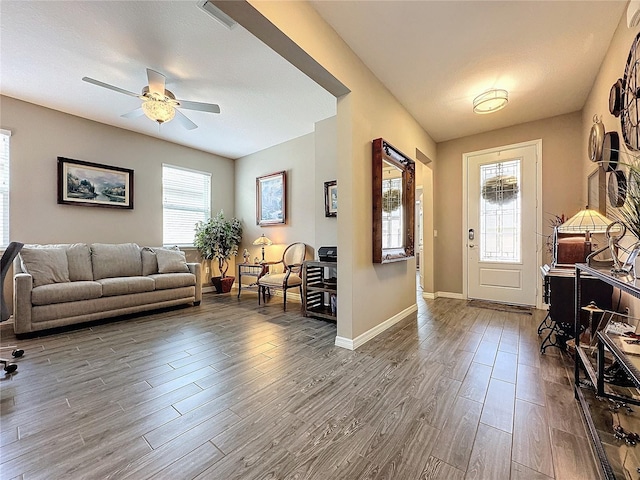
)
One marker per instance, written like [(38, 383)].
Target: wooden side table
[(252, 269)]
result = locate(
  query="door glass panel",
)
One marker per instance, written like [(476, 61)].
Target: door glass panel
[(500, 216), (392, 214)]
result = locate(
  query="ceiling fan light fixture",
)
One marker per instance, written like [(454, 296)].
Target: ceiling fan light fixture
[(490, 101), (158, 110)]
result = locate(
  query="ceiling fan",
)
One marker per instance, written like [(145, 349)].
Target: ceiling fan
[(158, 103)]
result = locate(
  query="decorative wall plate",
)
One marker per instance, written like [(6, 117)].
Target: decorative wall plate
[(596, 137)]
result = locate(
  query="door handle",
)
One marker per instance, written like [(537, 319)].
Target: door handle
[(471, 245)]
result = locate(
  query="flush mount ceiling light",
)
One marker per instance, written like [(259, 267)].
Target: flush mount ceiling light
[(490, 101)]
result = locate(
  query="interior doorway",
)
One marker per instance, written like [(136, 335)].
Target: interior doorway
[(501, 249)]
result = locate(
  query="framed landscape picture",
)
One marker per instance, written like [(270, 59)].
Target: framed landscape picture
[(271, 199), (94, 185), (331, 198)]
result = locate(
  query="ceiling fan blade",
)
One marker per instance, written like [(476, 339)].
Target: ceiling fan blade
[(156, 82), (182, 119), (133, 113), (110, 87), (202, 107)]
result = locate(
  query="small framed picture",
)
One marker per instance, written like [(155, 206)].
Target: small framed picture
[(94, 185), (271, 199), (331, 198)]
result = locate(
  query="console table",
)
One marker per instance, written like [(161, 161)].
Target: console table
[(250, 269)]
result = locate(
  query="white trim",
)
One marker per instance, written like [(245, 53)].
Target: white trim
[(375, 331), (5, 132), (455, 296), (465, 198), (429, 295)]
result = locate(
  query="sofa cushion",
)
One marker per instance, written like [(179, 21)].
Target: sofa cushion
[(126, 285), (166, 281), (171, 261), (79, 259), (45, 265), (115, 260), (65, 292), (149, 261)]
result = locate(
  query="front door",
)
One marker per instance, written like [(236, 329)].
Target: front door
[(502, 220)]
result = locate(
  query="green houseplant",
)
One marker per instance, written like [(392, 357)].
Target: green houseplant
[(218, 239)]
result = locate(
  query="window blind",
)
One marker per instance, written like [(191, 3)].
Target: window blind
[(186, 200), (4, 187)]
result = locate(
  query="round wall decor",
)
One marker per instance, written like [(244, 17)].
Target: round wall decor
[(629, 101), (617, 188)]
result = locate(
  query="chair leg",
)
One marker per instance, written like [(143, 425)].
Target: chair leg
[(284, 294), (259, 291)]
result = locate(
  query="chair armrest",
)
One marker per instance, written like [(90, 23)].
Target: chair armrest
[(23, 284), (270, 263)]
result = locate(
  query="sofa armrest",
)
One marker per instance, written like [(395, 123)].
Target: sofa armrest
[(22, 286), (196, 269)]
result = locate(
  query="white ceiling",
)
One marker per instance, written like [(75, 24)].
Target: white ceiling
[(434, 56), (47, 47)]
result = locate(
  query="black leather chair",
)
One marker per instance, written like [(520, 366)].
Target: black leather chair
[(5, 263)]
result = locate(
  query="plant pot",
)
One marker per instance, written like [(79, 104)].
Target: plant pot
[(223, 285)]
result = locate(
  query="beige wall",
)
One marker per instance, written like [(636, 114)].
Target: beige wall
[(40, 135), (597, 103), (368, 294), (562, 182)]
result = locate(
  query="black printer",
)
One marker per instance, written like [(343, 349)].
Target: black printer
[(328, 254)]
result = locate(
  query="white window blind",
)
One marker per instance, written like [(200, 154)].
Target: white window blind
[(186, 200), (4, 187)]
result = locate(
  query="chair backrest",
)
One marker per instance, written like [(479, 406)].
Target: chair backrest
[(294, 254), (7, 257)]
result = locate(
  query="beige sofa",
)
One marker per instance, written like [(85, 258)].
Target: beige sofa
[(57, 285)]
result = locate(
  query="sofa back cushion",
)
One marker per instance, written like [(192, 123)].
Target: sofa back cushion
[(149, 261), (79, 258), (115, 260), (45, 265)]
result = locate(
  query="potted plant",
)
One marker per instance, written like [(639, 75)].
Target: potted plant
[(218, 239)]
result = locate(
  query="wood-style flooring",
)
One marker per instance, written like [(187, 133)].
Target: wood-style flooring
[(230, 390)]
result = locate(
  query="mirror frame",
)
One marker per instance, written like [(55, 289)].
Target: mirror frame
[(384, 151)]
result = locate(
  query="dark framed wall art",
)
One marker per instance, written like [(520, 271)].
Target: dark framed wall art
[(94, 184), (331, 199), (271, 199)]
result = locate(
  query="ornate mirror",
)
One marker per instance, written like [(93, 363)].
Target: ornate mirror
[(393, 203)]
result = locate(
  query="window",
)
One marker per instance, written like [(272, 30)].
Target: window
[(5, 135), (186, 200)]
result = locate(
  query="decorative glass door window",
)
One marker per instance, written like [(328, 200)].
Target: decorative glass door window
[(500, 212), (392, 215)]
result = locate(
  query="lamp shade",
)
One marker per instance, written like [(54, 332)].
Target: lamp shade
[(158, 111), (490, 101), (262, 240), (587, 220)]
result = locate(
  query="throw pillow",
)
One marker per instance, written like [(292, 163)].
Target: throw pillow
[(171, 261), (45, 265)]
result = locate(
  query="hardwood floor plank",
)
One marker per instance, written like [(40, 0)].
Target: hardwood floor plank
[(531, 438), (491, 455), (520, 472), (499, 405), (455, 441), (436, 469), (474, 387), (530, 386), (505, 367), (572, 458)]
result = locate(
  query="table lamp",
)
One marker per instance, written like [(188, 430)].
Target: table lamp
[(262, 240)]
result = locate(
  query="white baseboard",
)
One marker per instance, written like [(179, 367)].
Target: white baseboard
[(429, 295), (375, 331), (457, 296)]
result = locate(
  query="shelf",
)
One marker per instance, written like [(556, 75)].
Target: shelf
[(318, 294), (617, 460)]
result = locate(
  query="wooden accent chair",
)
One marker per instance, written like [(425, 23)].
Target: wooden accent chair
[(290, 277)]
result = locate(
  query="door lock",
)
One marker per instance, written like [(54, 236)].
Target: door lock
[(472, 234)]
